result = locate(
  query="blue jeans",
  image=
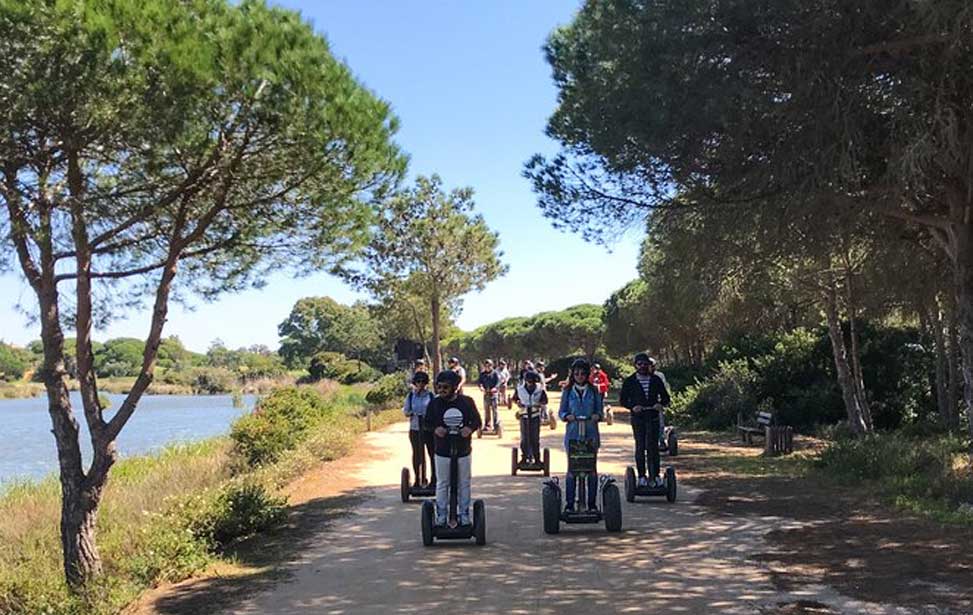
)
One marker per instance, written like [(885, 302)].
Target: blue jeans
[(442, 489), (571, 489)]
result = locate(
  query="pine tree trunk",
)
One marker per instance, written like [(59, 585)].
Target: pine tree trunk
[(933, 325), (952, 368), (856, 417), (437, 354), (964, 308)]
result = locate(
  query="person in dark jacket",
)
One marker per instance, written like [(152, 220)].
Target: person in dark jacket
[(449, 415), (645, 395)]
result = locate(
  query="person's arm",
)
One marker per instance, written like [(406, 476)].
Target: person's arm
[(599, 406), (476, 420), (562, 410), (625, 396), (407, 407), (543, 397), (664, 395)]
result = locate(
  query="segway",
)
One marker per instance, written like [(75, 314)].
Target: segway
[(670, 442), (529, 465), (422, 491), (633, 490), (582, 461), (496, 429), (453, 530)]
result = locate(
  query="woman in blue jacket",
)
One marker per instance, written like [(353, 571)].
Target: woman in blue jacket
[(581, 403)]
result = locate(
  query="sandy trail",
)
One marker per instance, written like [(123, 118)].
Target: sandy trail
[(669, 558)]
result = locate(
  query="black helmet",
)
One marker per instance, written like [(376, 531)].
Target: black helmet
[(420, 378), (532, 377), (643, 357), (449, 377), (453, 360), (581, 364)]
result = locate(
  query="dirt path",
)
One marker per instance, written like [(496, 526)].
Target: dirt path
[(363, 554)]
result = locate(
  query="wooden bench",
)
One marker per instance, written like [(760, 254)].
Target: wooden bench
[(778, 439)]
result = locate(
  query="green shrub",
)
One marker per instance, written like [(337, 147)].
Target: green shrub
[(279, 422), (13, 362), (235, 511), (923, 474), (203, 380), (389, 389), (336, 366), (715, 402)]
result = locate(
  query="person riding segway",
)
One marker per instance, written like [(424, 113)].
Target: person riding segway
[(489, 383), (453, 417), (531, 400), (645, 395), (421, 440), (581, 409)]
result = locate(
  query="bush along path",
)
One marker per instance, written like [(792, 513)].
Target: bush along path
[(183, 511), (747, 535)]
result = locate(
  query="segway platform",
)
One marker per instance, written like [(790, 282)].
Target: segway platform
[(670, 442), (432, 532), (529, 466), (409, 490), (582, 460), (667, 489), (495, 430)]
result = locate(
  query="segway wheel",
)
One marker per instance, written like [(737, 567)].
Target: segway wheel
[(673, 444), (552, 510), (405, 484), (426, 514), (612, 506), (629, 484), (671, 484), (479, 522), (547, 462), (513, 462)]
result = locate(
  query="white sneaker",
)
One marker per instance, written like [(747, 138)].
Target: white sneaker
[(658, 482), (643, 482)]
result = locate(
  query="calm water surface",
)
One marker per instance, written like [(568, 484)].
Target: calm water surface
[(27, 445)]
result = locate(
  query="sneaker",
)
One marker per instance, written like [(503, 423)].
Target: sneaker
[(569, 508), (643, 482), (465, 521), (592, 508), (440, 522), (658, 482)]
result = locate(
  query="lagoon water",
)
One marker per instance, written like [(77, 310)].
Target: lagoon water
[(27, 449)]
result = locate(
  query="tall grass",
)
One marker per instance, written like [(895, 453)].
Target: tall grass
[(163, 517), (927, 475)]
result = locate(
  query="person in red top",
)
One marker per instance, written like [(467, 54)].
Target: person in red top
[(601, 381)]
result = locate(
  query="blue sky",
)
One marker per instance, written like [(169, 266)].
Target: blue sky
[(470, 85)]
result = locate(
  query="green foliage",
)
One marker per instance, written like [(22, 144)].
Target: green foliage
[(389, 389), (279, 422), (576, 330), (120, 356), (237, 510), (335, 366), (921, 473), (428, 243), (202, 380), (321, 324), (14, 362), (715, 402)]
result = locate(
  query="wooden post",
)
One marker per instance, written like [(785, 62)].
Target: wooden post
[(768, 440), (368, 417)]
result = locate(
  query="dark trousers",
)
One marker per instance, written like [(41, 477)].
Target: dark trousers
[(530, 438), (423, 443), (646, 430)]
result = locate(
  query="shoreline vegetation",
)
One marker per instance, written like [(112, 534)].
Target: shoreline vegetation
[(173, 514), (123, 384)]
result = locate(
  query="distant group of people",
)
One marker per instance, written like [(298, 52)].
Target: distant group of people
[(583, 393)]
